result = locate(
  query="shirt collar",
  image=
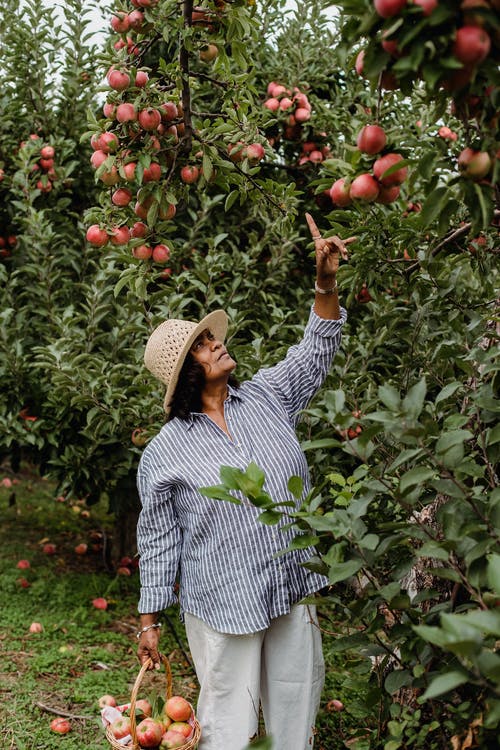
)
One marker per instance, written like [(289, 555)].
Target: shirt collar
[(233, 393)]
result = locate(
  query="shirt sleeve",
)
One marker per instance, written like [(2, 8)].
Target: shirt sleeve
[(159, 541), (295, 379)]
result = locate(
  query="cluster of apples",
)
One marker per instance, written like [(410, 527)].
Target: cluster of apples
[(290, 104), (382, 185), (169, 730), (470, 42), (7, 244), (42, 159)]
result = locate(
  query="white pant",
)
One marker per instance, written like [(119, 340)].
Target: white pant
[(281, 668)]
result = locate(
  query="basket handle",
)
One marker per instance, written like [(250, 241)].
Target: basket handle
[(135, 690)]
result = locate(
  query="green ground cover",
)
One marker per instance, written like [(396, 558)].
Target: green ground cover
[(84, 652)]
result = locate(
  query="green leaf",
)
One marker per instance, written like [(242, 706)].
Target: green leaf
[(219, 493), (432, 206), (493, 572), (270, 517), (390, 397), (296, 486), (414, 399), (397, 679), (340, 571), (231, 198), (444, 683), (447, 391), (416, 476)]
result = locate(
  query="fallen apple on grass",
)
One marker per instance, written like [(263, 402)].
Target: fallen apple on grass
[(60, 725)]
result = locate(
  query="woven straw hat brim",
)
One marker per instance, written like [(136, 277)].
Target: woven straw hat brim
[(216, 322)]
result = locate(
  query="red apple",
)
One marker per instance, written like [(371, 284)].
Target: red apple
[(121, 197), (120, 728), (161, 253), (364, 187), (139, 229), (108, 142), (135, 19), (23, 583), (120, 235), (110, 177), (472, 45), (447, 134), (23, 564), (167, 213), (389, 8), (360, 58), (171, 740), (129, 170), (255, 152), (169, 111), (100, 603), (120, 21), (126, 112), (97, 236), (388, 194), (427, 6), (152, 173), (106, 700), (118, 79), (334, 705), (371, 139), (149, 119), (302, 114), (272, 104), (339, 193), (143, 707), (286, 103), (36, 627), (81, 549), (182, 727), (474, 164), (177, 708), (385, 163), (123, 571), (60, 725), (98, 158), (141, 78), (47, 152), (150, 732), (189, 174), (49, 549), (142, 252)]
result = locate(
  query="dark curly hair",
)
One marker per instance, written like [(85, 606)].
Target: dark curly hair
[(187, 394)]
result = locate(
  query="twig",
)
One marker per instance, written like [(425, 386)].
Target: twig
[(62, 712)]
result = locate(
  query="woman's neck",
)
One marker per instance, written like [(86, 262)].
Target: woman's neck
[(213, 397)]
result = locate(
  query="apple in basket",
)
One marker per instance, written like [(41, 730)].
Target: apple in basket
[(143, 708), (149, 733), (177, 708), (172, 740), (183, 728), (120, 728)]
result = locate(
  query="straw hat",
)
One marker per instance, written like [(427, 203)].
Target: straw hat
[(170, 342)]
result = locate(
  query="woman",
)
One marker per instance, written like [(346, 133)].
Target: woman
[(251, 642)]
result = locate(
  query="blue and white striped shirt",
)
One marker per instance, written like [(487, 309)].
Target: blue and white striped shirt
[(229, 574)]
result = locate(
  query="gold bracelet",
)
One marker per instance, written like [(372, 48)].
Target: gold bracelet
[(325, 291)]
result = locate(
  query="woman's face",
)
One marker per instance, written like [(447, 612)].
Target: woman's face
[(212, 355)]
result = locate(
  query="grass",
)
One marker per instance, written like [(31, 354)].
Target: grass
[(84, 652)]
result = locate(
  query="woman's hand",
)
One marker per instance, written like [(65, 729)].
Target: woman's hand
[(328, 254), (148, 647)]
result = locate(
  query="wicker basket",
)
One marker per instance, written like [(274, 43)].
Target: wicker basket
[(190, 744)]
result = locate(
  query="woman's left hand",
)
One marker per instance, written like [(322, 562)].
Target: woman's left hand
[(329, 250)]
